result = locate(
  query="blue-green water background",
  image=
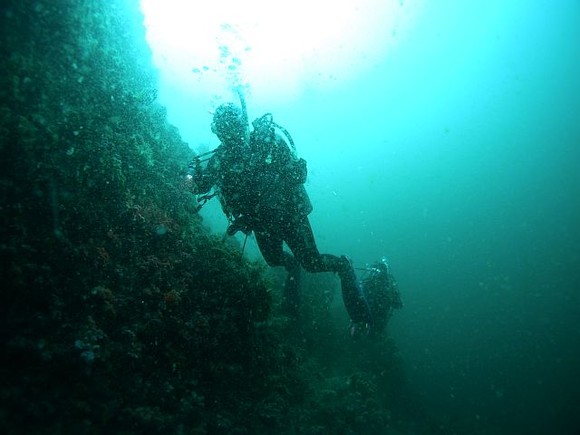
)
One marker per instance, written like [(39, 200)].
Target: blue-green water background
[(457, 156)]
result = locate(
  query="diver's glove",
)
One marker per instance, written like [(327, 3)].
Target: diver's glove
[(242, 224)]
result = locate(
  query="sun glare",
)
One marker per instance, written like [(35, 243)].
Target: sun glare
[(269, 45)]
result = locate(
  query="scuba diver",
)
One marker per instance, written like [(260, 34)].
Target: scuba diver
[(382, 294), (260, 184)]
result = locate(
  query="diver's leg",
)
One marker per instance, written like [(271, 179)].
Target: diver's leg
[(271, 247), (352, 294), (301, 241)]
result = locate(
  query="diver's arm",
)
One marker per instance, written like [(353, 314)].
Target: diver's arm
[(205, 178)]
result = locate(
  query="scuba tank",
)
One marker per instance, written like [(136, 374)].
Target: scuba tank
[(265, 132)]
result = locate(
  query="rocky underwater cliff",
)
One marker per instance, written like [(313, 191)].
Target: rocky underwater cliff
[(119, 311)]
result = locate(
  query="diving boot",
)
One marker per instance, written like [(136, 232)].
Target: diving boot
[(352, 295)]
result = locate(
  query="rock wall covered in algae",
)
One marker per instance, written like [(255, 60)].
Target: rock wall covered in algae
[(119, 313)]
